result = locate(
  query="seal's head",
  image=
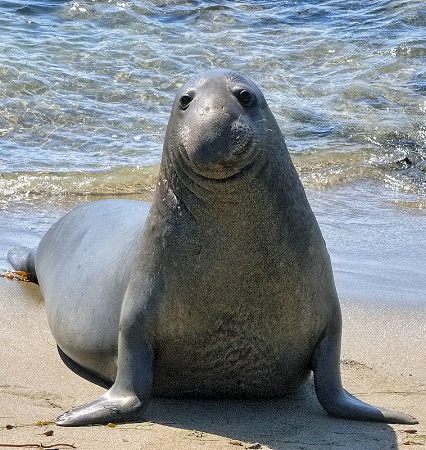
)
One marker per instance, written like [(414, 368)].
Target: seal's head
[(217, 121)]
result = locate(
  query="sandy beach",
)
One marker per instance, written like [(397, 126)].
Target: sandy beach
[(383, 356)]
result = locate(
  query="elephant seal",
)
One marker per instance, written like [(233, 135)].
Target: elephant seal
[(226, 290)]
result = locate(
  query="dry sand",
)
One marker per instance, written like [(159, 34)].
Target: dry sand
[(383, 362)]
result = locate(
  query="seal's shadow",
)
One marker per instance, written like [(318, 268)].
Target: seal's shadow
[(294, 422)]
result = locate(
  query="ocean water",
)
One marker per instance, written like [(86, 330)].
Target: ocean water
[(86, 89)]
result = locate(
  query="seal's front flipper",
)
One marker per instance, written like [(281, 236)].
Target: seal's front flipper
[(22, 258), (128, 397), (106, 409), (331, 395)]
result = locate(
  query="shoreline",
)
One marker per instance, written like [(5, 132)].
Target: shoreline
[(383, 356)]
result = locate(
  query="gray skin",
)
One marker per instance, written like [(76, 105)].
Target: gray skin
[(226, 290)]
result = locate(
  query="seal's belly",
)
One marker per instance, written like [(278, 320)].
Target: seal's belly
[(233, 358), (238, 379)]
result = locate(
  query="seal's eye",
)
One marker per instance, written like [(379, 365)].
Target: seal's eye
[(244, 96), (185, 100)]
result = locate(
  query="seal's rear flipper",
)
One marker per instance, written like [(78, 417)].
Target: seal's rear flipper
[(22, 258), (331, 395)]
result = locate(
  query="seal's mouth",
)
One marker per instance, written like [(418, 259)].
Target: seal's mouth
[(240, 151), (240, 157)]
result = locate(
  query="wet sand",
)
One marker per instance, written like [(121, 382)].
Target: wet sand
[(383, 354)]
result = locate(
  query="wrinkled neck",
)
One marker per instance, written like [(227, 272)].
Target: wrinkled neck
[(202, 195), (264, 184)]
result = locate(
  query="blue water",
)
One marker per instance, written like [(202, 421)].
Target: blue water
[(86, 89)]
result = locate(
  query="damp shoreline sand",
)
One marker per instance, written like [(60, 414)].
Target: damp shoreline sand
[(383, 356)]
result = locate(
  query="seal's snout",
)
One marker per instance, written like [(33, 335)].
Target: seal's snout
[(216, 141)]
